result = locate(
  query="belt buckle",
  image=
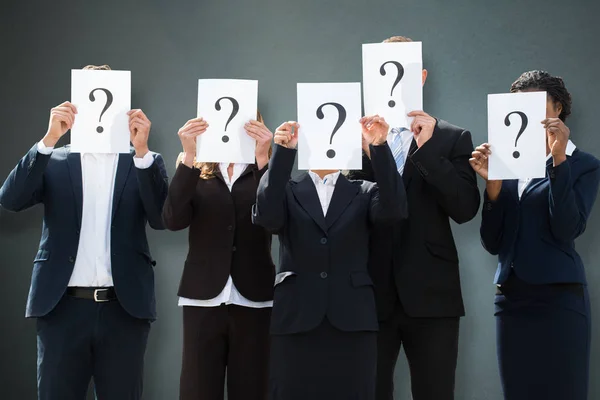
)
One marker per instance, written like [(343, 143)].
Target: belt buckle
[(96, 299)]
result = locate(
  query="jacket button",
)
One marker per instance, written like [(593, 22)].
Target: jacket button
[(230, 228), (488, 206), (233, 248), (323, 275), (323, 240), (71, 259)]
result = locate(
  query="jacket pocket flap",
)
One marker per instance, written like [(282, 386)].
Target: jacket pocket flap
[(280, 277), (42, 255), (361, 278), (446, 253)]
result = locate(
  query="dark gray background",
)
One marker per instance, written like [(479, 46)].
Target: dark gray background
[(471, 48)]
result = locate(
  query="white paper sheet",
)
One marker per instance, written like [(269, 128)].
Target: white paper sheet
[(323, 107), (103, 99), (227, 104), (393, 83), (516, 135)]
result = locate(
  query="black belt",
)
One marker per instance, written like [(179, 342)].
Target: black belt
[(575, 288), (99, 295)]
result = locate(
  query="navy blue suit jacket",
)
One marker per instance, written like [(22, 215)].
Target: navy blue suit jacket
[(535, 235), (55, 181)]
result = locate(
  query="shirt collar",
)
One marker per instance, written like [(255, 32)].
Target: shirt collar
[(329, 179)]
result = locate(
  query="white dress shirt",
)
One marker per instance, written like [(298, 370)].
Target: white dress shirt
[(98, 171), (523, 183), (406, 136), (325, 188), (229, 294)]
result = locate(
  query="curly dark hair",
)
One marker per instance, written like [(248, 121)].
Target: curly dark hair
[(553, 85)]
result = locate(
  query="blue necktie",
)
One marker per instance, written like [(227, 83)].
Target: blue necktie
[(397, 148)]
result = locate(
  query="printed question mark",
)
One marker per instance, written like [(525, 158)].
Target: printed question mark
[(234, 111), (399, 75), (524, 121), (109, 100), (341, 118)]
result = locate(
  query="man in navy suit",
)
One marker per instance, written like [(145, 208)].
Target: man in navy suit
[(92, 287)]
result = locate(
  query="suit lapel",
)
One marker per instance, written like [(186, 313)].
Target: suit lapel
[(306, 194), (531, 186), (343, 194), (512, 186), (74, 163), (123, 167), (409, 168)]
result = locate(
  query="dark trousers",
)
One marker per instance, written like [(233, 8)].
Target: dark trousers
[(543, 341), (80, 340), (431, 347), (227, 337)]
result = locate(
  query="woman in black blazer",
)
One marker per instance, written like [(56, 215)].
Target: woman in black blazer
[(542, 302), (226, 290), (324, 323)]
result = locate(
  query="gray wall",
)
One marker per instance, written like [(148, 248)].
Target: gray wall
[(471, 48)]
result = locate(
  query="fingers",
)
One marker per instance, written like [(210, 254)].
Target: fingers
[(192, 124), (418, 113), (67, 105), (66, 117)]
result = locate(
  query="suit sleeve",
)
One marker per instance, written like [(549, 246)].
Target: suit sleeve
[(270, 210), (492, 223), (571, 201), (388, 201), (453, 180), (366, 173), (24, 186), (153, 185), (178, 210)]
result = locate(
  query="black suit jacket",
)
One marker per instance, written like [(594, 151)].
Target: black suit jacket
[(416, 259), (55, 181), (222, 239), (323, 259)]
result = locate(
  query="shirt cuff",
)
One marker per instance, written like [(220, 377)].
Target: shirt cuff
[(144, 162), (43, 149)]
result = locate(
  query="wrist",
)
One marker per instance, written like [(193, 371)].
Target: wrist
[(557, 160), (49, 141), (493, 189), (141, 152), (188, 159)]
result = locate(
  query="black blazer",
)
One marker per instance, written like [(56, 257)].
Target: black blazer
[(416, 259), (222, 239), (55, 181), (324, 259)]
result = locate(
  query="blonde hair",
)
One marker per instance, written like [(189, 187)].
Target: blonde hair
[(208, 169), (97, 67), (397, 39)]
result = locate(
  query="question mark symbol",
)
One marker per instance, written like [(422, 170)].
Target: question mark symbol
[(234, 111), (109, 100), (399, 75), (524, 122), (340, 121)]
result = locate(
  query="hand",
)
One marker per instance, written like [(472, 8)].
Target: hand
[(139, 130), (287, 134), (62, 118), (374, 130), (188, 134), (480, 159), (263, 136), (479, 162), (558, 137), (422, 126)]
